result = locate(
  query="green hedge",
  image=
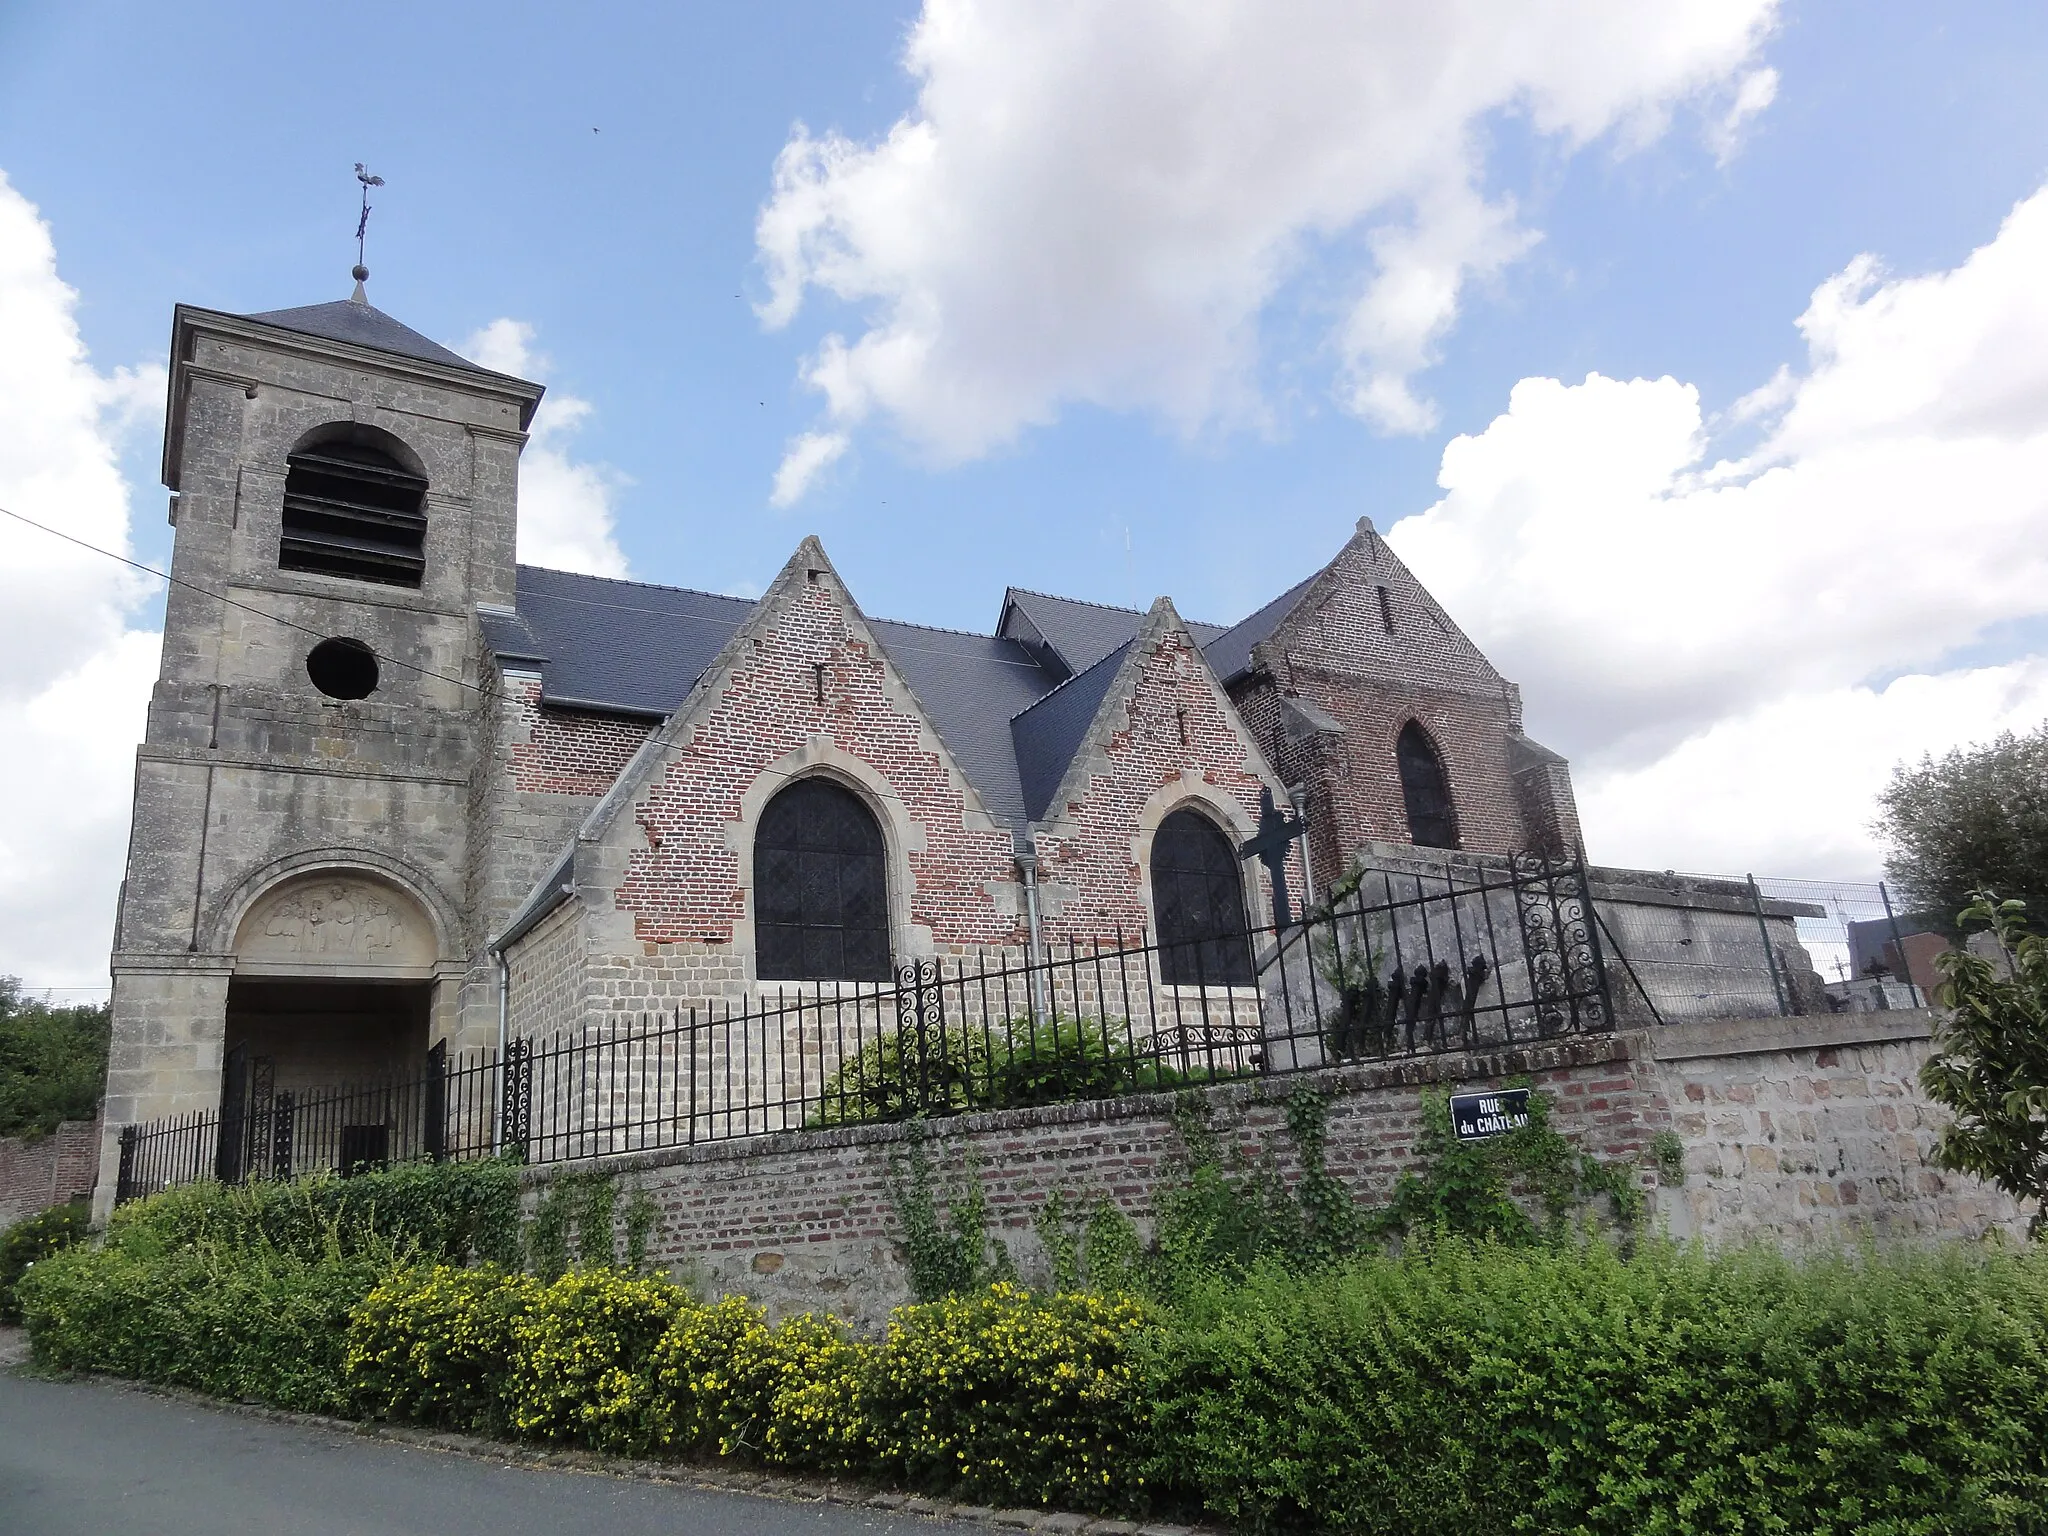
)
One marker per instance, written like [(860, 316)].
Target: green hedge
[(1461, 1386), (34, 1238), (1571, 1390), (265, 1324), (458, 1212), (1009, 1065)]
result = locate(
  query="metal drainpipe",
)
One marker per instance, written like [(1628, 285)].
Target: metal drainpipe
[(504, 1020), (1027, 866)]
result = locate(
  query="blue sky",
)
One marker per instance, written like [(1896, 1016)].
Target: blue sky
[(202, 153)]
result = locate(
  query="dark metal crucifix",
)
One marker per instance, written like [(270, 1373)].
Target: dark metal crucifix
[(1270, 847)]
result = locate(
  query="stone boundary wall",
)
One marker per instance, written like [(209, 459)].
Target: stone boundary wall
[(37, 1174), (1798, 1131), (1812, 1130)]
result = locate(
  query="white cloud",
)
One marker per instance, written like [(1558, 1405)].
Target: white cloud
[(1759, 88), (1716, 644), (807, 456), (565, 504), (74, 676), (1096, 203), (1790, 786)]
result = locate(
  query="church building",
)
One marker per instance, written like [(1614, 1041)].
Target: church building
[(399, 791)]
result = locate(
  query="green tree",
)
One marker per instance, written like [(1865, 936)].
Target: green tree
[(53, 1062), (1976, 819), (1991, 1065)]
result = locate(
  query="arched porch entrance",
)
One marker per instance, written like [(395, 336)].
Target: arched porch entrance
[(333, 982)]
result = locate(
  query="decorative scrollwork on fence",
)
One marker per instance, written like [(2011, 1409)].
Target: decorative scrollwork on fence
[(921, 1027)]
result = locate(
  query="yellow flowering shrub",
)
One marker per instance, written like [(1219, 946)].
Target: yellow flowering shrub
[(434, 1345), (702, 1402), (581, 1357), (1003, 1396)]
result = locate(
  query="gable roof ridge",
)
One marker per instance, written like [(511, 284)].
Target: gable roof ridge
[(628, 783), (628, 581), (1163, 618), (938, 629), (1369, 535), (1082, 602), (1075, 677), (1089, 602)]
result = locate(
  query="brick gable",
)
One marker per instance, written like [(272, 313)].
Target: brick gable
[(1166, 735), (806, 675)]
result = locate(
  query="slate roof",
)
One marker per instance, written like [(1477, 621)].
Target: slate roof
[(618, 645), (1048, 734), (970, 686), (365, 326), (1231, 652), (1080, 633), (1011, 716)]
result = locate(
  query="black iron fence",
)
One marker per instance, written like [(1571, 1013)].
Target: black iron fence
[(1402, 964)]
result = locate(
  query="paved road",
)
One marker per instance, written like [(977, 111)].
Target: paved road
[(87, 1458)]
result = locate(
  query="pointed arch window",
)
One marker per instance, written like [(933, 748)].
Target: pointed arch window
[(1198, 901), (821, 888), (1432, 819)]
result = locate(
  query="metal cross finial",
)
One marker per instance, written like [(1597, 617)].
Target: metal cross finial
[(363, 224)]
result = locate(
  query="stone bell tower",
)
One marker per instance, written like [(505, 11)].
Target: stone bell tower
[(344, 493)]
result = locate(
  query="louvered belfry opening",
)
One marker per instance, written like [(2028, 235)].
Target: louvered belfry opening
[(351, 509), (1432, 819)]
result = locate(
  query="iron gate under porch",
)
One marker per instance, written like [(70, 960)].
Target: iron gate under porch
[(1397, 965)]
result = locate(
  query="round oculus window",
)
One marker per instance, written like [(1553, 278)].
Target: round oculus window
[(343, 669)]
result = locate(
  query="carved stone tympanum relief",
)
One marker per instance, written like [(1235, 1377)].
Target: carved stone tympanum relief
[(343, 921)]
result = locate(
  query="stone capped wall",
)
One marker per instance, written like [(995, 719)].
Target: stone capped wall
[(1794, 1132), (804, 1220), (1807, 1131)]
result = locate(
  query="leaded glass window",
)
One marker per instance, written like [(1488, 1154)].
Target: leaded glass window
[(821, 891), (1432, 819), (1198, 900)]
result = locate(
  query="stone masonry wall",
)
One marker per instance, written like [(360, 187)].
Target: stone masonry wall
[(35, 1175), (1807, 1131), (1794, 1132)]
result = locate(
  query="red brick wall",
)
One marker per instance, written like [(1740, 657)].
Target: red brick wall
[(35, 1175), (568, 751), (1337, 653), (804, 1219), (1173, 720), (684, 885)]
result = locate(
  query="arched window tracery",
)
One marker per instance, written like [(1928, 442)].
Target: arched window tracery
[(1198, 904), (1432, 817), (821, 888)]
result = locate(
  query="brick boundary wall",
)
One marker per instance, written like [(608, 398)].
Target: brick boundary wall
[(1794, 1131), (48, 1170), (803, 1220)]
